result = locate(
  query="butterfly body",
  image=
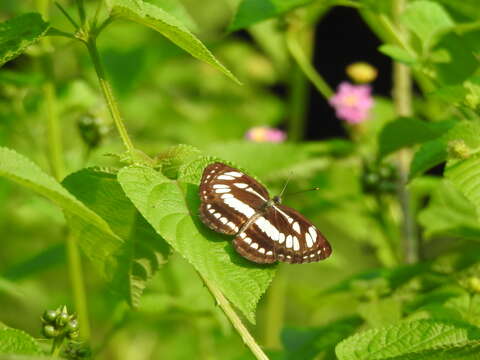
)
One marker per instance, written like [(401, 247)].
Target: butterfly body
[(266, 231)]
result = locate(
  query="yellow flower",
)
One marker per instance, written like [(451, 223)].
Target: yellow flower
[(361, 72)]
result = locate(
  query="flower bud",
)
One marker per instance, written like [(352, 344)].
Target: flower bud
[(49, 316), (457, 149), (49, 331)]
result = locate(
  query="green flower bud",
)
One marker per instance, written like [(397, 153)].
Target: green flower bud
[(62, 319), (457, 149), (49, 316), (73, 335), (49, 331), (474, 284), (72, 325)]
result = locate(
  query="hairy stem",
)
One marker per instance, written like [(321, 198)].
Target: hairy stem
[(108, 94), (402, 97), (55, 146), (235, 320)]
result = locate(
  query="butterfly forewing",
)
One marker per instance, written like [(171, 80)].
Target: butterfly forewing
[(236, 204), (229, 198)]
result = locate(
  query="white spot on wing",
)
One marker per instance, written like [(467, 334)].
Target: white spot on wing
[(227, 196), (281, 238), (241, 185), (234, 173), (296, 227), (248, 240), (217, 215), (211, 211), (220, 186), (261, 251), (209, 206), (296, 244), (225, 177), (254, 246), (223, 220), (289, 242), (288, 217), (221, 191), (250, 190), (242, 235), (240, 207), (269, 253), (309, 240), (313, 233)]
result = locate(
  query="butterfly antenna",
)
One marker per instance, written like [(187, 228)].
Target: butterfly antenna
[(286, 183), (302, 191)]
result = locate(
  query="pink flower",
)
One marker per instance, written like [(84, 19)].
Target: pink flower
[(265, 134), (352, 102)]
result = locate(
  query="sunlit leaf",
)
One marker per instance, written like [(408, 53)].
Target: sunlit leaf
[(171, 207), (154, 17), (406, 338), (13, 341)]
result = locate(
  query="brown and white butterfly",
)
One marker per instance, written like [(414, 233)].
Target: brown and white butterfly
[(265, 231)]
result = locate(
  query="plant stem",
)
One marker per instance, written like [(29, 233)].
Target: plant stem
[(77, 283), (302, 59), (108, 94), (58, 170), (402, 97), (235, 320), (275, 310), (298, 102)]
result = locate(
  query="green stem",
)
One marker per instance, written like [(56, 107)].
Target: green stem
[(387, 226), (58, 169), (402, 98), (298, 101), (303, 61), (235, 320), (82, 13), (56, 346), (76, 280), (275, 310), (108, 94)]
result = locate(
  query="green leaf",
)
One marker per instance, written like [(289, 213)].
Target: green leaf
[(381, 312), (13, 341), (19, 33), (465, 175), (21, 170), (250, 12), (176, 8), (405, 132), (449, 213), (307, 343), (171, 207), (428, 20), (404, 339), (397, 53), (435, 152), (154, 17), (130, 267)]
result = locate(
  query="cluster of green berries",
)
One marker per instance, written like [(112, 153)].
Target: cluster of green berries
[(380, 179), (59, 323)]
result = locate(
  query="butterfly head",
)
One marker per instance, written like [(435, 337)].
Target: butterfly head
[(277, 199)]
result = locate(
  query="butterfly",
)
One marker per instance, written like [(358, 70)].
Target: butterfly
[(234, 203)]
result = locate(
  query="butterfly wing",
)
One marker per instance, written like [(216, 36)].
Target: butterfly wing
[(282, 234), (229, 198)]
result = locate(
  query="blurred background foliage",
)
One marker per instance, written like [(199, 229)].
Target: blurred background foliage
[(168, 98)]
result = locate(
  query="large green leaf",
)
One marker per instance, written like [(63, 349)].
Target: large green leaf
[(167, 25), (428, 20), (250, 12), (407, 132), (18, 168), (13, 341), (171, 207), (404, 339), (450, 213), (142, 251), (19, 33)]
